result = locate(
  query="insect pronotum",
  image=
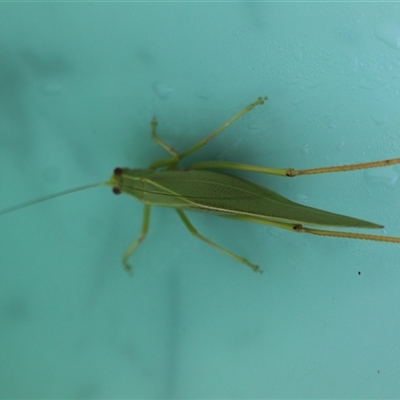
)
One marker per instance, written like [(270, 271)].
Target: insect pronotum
[(200, 188)]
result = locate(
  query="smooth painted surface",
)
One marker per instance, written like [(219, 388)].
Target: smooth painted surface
[(79, 84)]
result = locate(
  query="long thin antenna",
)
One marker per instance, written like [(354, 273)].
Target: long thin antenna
[(50, 196)]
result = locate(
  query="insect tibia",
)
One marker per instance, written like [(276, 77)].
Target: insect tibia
[(347, 235), (343, 168)]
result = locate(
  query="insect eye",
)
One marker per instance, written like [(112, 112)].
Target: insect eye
[(118, 171), (116, 190)]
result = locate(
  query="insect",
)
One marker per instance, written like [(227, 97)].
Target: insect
[(201, 188)]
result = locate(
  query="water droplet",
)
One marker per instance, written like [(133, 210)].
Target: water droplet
[(331, 125), (162, 90), (388, 33), (301, 198), (51, 87), (275, 233), (297, 101), (253, 126), (383, 185), (298, 55), (382, 177), (379, 119), (365, 84), (330, 121)]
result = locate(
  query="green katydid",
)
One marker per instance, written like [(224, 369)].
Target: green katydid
[(200, 188)]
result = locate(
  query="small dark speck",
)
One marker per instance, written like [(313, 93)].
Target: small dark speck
[(359, 273)]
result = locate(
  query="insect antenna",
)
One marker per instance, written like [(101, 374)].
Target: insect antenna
[(48, 197)]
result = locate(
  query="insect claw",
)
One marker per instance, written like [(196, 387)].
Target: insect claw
[(254, 267), (127, 267)]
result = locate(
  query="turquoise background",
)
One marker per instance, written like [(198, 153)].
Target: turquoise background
[(79, 84)]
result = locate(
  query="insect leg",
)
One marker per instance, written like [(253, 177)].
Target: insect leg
[(343, 168), (165, 162), (194, 232), (204, 141), (290, 172), (320, 232), (240, 167), (347, 235), (160, 142), (143, 233), (176, 157)]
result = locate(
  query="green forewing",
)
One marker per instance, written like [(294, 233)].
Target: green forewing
[(226, 194)]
